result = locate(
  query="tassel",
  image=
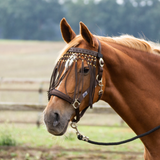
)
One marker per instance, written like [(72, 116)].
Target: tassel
[(75, 80), (90, 87), (82, 79), (68, 71)]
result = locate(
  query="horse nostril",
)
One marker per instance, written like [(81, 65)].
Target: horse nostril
[(56, 119)]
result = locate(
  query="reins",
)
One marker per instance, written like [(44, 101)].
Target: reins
[(86, 139), (96, 80)]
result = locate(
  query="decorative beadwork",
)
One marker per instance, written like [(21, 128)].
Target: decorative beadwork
[(91, 60)]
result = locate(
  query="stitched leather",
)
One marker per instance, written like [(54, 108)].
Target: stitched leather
[(84, 51), (61, 95)]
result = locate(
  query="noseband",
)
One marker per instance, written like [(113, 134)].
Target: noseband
[(62, 69)]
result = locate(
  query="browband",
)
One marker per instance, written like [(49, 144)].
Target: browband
[(84, 51)]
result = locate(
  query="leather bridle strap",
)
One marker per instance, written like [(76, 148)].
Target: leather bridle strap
[(61, 95), (98, 81)]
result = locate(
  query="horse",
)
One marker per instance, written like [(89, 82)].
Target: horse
[(123, 71)]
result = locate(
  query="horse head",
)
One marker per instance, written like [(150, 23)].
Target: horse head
[(73, 85)]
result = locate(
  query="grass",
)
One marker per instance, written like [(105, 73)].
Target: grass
[(30, 135), (68, 146), (7, 140)]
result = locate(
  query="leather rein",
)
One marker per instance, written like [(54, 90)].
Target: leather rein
[(91, 57)]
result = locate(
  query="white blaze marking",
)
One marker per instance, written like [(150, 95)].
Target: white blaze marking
[(69, 61)]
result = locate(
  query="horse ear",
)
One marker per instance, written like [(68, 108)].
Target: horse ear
[(87, 35), (67, 33)]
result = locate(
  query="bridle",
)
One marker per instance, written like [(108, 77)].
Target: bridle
[(91, 57), (58, 75)]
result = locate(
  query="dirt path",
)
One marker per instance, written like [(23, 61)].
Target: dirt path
[(58, 153)]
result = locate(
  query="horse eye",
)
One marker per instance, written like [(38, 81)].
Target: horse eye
[(85, 70)]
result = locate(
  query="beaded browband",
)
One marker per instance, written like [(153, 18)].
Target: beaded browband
[(62, 70)]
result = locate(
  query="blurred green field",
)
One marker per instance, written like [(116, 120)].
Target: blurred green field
[(37, 143), (29, 136)]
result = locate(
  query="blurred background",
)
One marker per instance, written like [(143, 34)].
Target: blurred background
[(39, 19), (30, 42)]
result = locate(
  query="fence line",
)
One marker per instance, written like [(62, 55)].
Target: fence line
[(21, 106), (39, 106), (23, 80), (40, 90)]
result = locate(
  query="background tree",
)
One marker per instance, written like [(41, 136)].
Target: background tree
[(39, 19), (30, 19)]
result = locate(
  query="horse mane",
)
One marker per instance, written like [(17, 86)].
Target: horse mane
[(134, 43), (125, 40)]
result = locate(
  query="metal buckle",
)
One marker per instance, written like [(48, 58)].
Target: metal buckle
[(100, 84), (101, 62), (101, 90), (83, 138), (74, 126), (76, 104), (99, 81)]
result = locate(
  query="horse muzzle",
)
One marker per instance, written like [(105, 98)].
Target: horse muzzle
[(56, 124)]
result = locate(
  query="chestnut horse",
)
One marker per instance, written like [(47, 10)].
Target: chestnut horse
[(131, 81)]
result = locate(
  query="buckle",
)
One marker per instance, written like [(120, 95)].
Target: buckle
[(99, 81), (79, 135), (101, 62), (76, 104), (100, 84)]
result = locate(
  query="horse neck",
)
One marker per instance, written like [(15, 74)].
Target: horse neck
[(131, 82)]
